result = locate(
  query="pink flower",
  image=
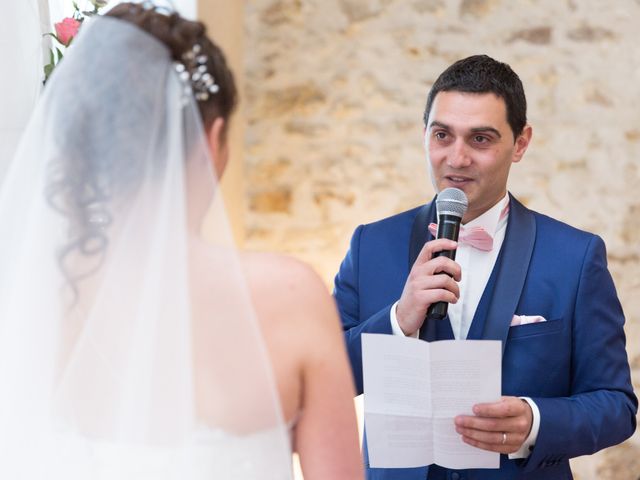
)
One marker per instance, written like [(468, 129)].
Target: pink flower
[(67, 29)]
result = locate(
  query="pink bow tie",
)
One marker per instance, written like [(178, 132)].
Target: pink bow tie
[(476, 237)]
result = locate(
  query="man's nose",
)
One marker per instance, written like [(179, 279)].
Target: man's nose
[(459, 156)]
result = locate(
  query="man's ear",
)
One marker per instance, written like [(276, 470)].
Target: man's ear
[(522, 143), (218, 146)]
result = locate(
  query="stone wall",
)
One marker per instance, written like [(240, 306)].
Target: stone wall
[(334, 96)]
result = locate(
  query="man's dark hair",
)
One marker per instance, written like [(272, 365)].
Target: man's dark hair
[(483, 74)]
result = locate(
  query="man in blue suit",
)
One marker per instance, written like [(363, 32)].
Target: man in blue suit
[(538, 285)]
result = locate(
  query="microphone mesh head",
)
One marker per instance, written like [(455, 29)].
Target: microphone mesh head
[(452, 201)]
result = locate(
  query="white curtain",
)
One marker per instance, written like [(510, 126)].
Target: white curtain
[(21, 44)]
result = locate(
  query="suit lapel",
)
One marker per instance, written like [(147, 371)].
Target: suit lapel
[(512, 271), (420, 230)]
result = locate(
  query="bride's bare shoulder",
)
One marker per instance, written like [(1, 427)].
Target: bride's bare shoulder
[(279, 282), (273, 271)]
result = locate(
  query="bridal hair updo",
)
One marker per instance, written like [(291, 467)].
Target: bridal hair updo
[(180, 35)]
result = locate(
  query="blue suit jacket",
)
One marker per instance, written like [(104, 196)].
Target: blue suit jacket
[(574, 365)]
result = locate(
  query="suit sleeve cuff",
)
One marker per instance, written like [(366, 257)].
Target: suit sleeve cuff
[(530, 441), (395, 326)]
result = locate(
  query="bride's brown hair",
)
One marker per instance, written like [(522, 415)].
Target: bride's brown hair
[(180, 35)]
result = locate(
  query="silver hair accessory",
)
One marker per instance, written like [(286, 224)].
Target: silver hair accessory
[(193, 72), (168, 9)]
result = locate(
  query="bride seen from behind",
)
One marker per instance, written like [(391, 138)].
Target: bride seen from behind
[(130, 347)]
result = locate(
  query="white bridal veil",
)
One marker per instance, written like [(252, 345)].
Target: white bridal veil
[(128, 347)]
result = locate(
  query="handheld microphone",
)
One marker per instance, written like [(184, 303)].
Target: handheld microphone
[(451, 205)]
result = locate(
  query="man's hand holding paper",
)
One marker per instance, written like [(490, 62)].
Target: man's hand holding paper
[(497, 427)]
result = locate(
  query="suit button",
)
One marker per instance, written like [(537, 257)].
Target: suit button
[(455, 476)]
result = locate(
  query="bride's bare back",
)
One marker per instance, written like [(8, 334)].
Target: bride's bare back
[(298, 322)]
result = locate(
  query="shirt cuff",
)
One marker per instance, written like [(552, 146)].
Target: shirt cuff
[(530, 441), (395, 326)]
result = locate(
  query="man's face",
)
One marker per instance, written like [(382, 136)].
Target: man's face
[(470, 146)]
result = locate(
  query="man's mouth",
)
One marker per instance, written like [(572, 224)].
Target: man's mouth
[(457, 179)]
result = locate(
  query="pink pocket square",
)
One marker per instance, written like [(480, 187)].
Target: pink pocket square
[(525, 319)]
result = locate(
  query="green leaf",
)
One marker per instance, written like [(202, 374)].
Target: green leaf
[(59, 54), (48, 69)]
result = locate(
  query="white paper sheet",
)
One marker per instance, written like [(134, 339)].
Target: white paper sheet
[(413, 392)]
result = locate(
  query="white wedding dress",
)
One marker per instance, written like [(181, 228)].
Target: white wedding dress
[(118, 341), (211, 455)]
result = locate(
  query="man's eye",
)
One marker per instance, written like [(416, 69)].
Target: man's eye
[(480, 139), (440, 135)]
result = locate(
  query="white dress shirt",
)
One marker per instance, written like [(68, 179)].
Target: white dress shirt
[(476, 266)]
